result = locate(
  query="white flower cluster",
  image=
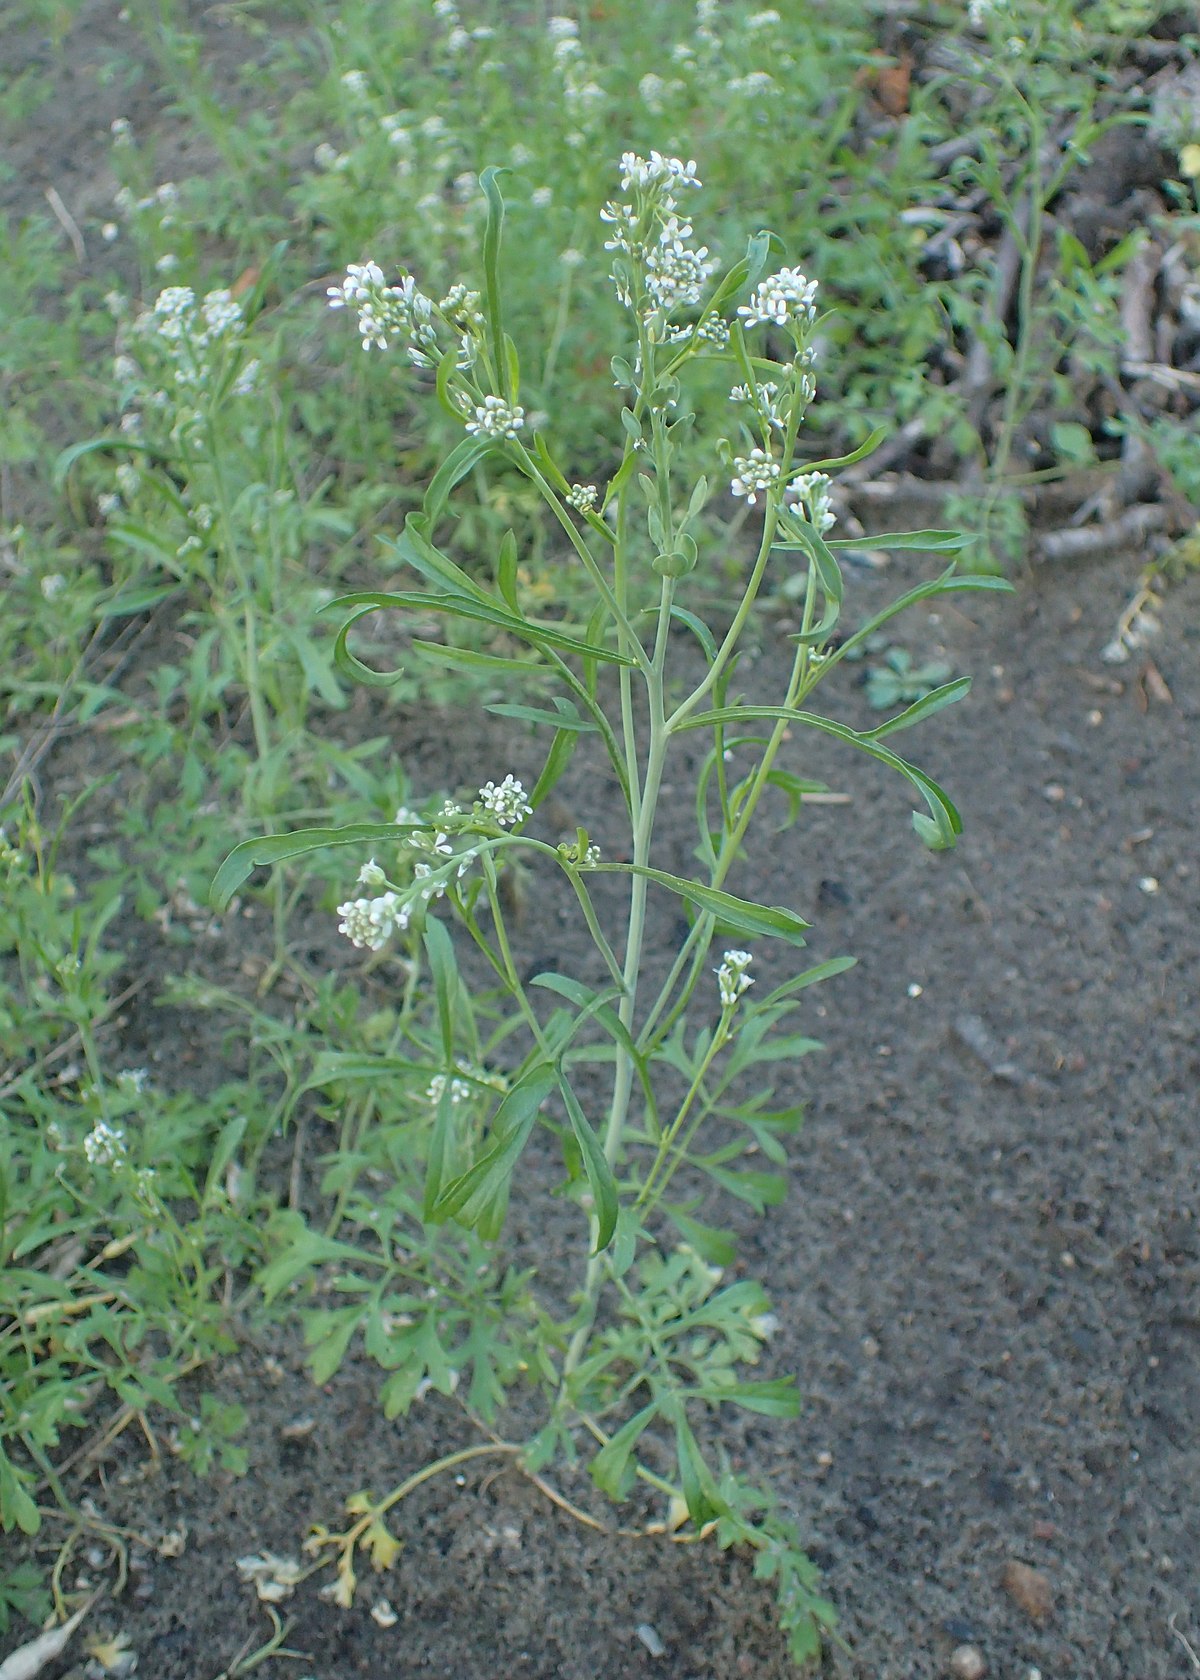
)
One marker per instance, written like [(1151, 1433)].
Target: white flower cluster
[(506, 803), (582, 497), (813, 490), (496, 418), (188, 334), (732, 979), (781, 300), (654, 238), (665, 173), (582, 94), (753, 474), (675, 274), (387, 312), (460, 1090), (368, 923), (764, 400), (105, 1145)]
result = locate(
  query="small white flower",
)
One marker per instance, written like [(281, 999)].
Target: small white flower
[(732, 979), (784, 297), (370, 875), (53, 585), (506, 803), (753, 474), (104, 1145), (355, 83), (657, 171), (368, 922), (496, 418), (541, 197), (460, 1090), (813, 490)]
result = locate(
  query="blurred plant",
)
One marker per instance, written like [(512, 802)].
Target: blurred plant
[(656, 1339), (121, 1217)]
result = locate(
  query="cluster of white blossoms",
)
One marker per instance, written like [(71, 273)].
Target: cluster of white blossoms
[(460, 1090), (189, 335), (582, 94), (812, 489), (732, 979), (507, 803), (369, 921), (675, 273), (386, 312), (582, 497), (496, 418), (764, 400), (783, 299), (753, 474), (649, 232), (105, 1145)]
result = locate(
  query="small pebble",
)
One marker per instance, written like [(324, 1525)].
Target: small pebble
[(1028, 1588), (967, 1663), (1148, 884), (650, 1639)]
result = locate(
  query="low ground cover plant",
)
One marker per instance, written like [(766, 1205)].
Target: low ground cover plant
[(655, 1088)]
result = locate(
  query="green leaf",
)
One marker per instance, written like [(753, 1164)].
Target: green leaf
[(506, 570), (223, 1152), (595, 1165), (939, 830), (480, 610), (270, 849), (17, 1508), (759, 1190), (810, 977), (738, 914), (565, 717), (440, 949), (461, 459), (415, 547), (700, 1494), (777, 1398), (948, 582), (922, 708), (472, 659), (835, 461), (931, 542), (561, 750), (699, 629), (715, 1248), (611, 1469), (478, 1198), (492, 237), (597, 1005)]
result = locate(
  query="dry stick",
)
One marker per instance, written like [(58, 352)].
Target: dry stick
[(1137, 304), (979, 379), (1081, 543)]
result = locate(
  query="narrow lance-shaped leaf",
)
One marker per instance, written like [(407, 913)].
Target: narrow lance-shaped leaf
[(270, 849), (595, 1164), (740, 914), (939, 830)]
